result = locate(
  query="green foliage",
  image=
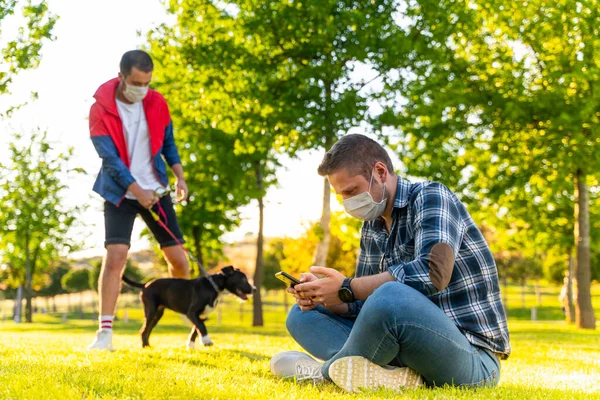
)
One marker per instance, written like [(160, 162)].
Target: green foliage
[(54, 278), (272, 264), (500, 109), (554, 266), (343, 251), (133, 272), (498, 102), (517, 268), (35, 220), (21, 50), (76, 280), (95, 275)]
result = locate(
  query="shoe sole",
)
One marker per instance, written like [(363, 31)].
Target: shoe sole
[(354, 373)]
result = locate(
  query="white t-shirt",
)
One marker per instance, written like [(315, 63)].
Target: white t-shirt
[(137, 137)]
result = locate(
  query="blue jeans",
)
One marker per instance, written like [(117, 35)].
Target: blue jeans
[(397, 326)]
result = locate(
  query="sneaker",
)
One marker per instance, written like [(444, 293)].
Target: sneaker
[(352, 373), (284, 364), (103, 340), (309, 370)]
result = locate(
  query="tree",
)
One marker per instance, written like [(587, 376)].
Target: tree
[(94, 275), (54, 283), (77, 281), (34, 218), (320, 55), (230, 133), (22, 49), (133, 272), (498, 101), (272, 264), (343, 253)]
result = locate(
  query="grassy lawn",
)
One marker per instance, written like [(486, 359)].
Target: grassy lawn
[(47, 360)]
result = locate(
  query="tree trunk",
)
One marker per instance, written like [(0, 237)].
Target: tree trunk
[(28, 279), (320, 257), (196, 237), (584, 312), (570, 310), (81, 305), (53, 303), (257, 319), (523, 293), (18, 305), (538, 293)]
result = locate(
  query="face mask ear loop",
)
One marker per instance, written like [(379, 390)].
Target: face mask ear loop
[(371, 180)]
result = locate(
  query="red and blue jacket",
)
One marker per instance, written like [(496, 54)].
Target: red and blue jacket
[(108, 138)]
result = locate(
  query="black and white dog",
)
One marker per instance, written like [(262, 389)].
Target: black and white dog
[(195, 298)]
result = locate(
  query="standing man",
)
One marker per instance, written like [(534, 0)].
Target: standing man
[(132, 131), (424, 305)]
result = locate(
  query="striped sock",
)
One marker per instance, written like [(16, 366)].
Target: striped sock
[(106, 322)]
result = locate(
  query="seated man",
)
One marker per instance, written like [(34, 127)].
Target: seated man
[(424, 305)]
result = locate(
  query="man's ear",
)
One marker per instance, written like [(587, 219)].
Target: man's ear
[(228, 270), (381, 171)]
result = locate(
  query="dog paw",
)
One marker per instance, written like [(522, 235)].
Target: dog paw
[(191, 345), (207, 341)]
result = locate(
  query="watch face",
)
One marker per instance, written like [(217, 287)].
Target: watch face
[(160, 191), (345, 295)]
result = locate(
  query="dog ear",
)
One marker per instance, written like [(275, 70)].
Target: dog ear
[(228, 270)]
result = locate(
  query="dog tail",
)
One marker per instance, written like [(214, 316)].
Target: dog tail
[(133, 283)]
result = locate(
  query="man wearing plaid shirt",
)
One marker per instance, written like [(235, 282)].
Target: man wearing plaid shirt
[(424, 306)]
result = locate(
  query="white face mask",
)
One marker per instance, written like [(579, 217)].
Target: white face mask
[(135, 93), (363, 207)]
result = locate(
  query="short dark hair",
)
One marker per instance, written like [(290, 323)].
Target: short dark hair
[(138, 59), (356, 153)]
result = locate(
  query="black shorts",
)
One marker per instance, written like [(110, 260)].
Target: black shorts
[(118, 222)]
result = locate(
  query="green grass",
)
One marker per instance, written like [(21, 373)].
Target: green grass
[(47, 360)]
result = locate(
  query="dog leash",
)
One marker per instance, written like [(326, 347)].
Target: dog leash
[(161, 192)]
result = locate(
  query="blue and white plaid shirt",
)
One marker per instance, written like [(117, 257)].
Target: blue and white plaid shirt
[(425, 214)]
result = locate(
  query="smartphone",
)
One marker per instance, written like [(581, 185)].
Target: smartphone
[(287, 279)]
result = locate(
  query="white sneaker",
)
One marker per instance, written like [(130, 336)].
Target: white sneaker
[(352, 373), (284, 364), (103, 340), (309, 370)]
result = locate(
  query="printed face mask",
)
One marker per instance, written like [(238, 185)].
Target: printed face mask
[(363, 207)]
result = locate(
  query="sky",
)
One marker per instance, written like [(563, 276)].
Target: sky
[(91, 37)]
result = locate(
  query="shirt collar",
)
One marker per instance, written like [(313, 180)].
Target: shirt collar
[(402, 191)]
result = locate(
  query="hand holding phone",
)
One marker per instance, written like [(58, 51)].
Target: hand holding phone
[(286, 278)]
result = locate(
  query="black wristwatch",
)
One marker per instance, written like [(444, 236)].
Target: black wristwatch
[(345, 293)]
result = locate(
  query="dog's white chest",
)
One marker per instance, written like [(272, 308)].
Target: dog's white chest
[(210, 307)]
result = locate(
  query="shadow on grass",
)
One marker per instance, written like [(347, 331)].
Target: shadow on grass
[(543, 314), (74, 324), (249, 355), (554, 334)]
